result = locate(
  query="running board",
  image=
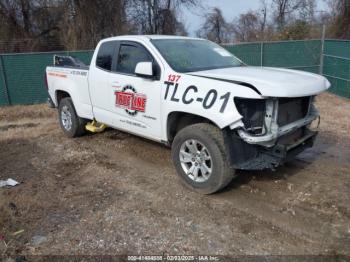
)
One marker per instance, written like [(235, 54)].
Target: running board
[(95, 127)]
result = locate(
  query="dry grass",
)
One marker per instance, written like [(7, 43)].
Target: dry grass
[(13, 113), (334, 111)]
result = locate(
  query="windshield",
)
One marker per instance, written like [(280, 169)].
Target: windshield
[(190, 55)]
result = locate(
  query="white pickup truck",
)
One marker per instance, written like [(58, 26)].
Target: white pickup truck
[(217, 114)]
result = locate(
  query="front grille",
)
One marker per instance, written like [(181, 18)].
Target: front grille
[(292, 109)]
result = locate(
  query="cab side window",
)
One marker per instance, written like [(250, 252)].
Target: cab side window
[(105, 55), (130, 56)]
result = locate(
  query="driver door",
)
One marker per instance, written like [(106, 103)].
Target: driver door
[(136, 99)]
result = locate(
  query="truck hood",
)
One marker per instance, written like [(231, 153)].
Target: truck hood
[(269, 81)]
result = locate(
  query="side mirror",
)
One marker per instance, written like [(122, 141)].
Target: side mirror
[(144, 69)]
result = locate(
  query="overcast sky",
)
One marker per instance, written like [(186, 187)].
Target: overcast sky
[(230, 8)]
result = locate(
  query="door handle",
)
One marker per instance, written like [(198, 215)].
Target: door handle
[(115, 84)]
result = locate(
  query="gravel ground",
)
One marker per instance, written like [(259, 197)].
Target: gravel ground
[(114, 193)]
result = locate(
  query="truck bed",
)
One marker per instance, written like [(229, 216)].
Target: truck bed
[(73, 80)]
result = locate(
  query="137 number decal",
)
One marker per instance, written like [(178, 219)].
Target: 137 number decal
[(173, 78)]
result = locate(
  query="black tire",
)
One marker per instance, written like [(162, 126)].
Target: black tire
[(212, 139), (77, 126)]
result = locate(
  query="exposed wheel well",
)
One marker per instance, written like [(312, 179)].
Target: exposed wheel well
[(60, 95), (179, 120)]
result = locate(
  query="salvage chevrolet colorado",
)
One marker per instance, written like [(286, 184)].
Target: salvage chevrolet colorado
[(217, 114)]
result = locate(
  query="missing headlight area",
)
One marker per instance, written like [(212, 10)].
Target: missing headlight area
[(253, 113)]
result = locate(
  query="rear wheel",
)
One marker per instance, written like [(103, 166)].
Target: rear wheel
[(199, 156), (71, 124)]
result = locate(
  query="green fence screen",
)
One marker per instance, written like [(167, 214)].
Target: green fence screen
[(301, 55), (337, 66), (22, 75), (3, 91), (249, 53)]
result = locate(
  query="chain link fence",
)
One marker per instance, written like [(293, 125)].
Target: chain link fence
[(22, 75)]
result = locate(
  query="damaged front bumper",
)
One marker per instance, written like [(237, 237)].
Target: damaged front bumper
[(270, 158), (276, 145), (270, 138), (246, 156)]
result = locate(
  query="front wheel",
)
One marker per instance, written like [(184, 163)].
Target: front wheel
[(199, 156)]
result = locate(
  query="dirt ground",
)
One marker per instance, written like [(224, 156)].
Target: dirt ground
[(114, 193)]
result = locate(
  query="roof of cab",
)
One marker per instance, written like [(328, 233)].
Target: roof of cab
[(148, 37)]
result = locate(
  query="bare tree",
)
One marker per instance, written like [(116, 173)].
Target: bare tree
[(32, 25), (253, 25), (85, 22), (307, 10), (340, 27), (29, 25), (215, 27), (296, 19), (247, 27), (296, 30), (283, 9), (157, 16), (263, 17)]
